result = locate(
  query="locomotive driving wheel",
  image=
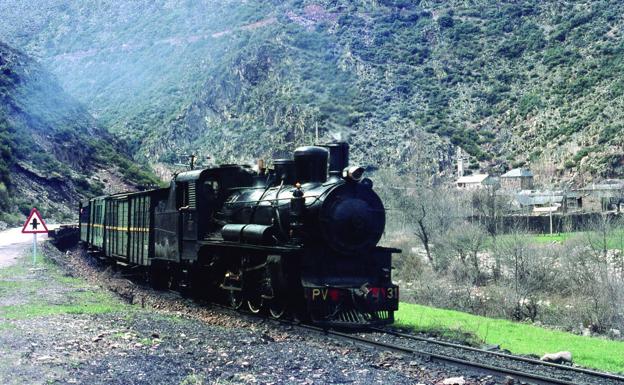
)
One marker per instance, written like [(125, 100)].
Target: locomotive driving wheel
[(254, 282), (234, 287), (235, 299), (277, 309), (255, 304)]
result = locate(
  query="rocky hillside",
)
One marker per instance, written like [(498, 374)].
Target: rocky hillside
[(513, 83), (52, 150)]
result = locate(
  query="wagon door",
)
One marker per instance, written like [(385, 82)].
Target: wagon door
[(187, 206), (139, 228), (84, 222), (166, 221)]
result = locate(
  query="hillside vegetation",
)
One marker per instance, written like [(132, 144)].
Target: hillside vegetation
[(52, 152), (514, 83)]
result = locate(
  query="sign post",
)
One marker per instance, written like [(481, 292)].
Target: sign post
[(34, 225)]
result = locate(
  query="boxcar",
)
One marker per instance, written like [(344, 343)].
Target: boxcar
[(129, 230), (120, 226)]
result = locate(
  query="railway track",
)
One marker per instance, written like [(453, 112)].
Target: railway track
[(499, 365), (590, 374), (522, 370)]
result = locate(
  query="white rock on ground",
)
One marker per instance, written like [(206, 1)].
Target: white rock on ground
[(454, 381), (558, 357)]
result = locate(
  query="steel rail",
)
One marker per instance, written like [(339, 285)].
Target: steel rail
[(591, 372), (444, 359)]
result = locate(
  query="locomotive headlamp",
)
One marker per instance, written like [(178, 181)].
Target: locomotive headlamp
[(353, 173)]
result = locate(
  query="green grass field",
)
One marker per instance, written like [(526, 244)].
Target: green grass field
[(43, 290), (519, 338), (547, 238), (615, 238)]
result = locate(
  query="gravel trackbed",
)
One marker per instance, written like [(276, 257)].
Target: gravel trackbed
[(60, 324)]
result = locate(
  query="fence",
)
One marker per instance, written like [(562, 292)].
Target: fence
[(541, 224)]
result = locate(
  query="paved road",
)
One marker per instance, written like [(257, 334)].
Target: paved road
[(13, 244)]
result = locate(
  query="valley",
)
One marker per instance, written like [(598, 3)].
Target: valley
[(524, 83), (54, 152)]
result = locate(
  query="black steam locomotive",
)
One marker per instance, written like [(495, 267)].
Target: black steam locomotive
[(295, 239)]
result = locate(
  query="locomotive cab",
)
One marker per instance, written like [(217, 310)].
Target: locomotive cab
[(187, 215)]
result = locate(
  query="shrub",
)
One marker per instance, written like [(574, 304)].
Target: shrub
[(582, 153), (446, 21), (529, 103)]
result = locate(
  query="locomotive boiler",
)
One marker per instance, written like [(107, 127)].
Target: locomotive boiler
[(300, 238)]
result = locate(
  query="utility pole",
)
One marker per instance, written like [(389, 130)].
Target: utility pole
[(316, 131), (550, 211), (460, 163)]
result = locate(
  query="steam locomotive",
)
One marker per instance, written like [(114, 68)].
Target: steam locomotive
[(299, 239)]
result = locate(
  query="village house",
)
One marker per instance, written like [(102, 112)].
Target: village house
[(472, 182), (607, 195), (541, 202), (517, 179)]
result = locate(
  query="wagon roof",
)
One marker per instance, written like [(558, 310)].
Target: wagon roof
[(188, 176), (193, 175)]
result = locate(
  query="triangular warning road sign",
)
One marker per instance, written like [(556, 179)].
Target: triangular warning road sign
[(34, 224)]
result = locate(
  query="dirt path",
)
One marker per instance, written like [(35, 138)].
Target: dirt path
[(13, 244)]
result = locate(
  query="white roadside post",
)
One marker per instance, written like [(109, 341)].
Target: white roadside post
[(34, 248), (34, 225)]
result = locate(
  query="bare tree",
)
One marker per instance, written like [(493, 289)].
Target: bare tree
[(490, 205), (602, 228), (467, 240), (417, 207), (592, 280), (530, 271), (432, 211), (423, 230)]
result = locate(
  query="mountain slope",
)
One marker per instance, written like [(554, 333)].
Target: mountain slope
[(52, 150), (523, 82)]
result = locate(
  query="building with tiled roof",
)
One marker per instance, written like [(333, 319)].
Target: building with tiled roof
[(517, 179)]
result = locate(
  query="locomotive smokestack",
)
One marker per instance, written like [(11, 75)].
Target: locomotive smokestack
[(338, 158), (284, 171), (311, 164)]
